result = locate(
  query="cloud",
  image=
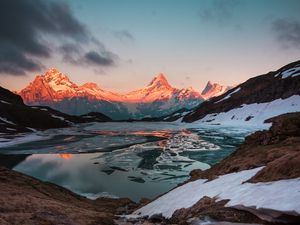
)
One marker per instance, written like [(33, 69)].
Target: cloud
[(220, 11), (30, 29), (287, 32), (69, 52), (98, 57), (124, 35), (95, 58)]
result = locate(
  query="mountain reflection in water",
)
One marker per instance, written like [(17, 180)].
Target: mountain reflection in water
[(119, 159)]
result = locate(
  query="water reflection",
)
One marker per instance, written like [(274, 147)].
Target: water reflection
[(117, 174), (66, 156), (121, 160)]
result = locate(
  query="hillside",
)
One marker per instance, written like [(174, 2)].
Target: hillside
[(253, 101)]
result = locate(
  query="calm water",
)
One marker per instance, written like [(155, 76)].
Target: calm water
[(132, 160)]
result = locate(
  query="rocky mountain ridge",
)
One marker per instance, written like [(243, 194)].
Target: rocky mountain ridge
[(213, 90), (158, 98)]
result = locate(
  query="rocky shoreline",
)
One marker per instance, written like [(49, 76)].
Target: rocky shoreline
[(26, 200)]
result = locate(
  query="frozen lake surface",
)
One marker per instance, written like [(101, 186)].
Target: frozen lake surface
[(135, 160)]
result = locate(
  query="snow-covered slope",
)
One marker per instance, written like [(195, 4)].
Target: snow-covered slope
[(158, 98), (236, 189), (253, 101), (213, 89), (253, 114)]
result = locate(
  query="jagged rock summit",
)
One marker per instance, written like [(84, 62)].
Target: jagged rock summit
[(56, 90)]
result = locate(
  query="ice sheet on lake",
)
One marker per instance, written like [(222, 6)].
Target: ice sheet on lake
[(12, 140)]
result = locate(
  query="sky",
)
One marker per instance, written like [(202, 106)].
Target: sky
[(121, 45)]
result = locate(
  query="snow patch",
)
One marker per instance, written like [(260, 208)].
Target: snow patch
[(253, 114), (7, 121), (5, 102), (94, 196), (11, 129), (229, 95), (32, 129), (293, 72), (58, 117), (283, 195)]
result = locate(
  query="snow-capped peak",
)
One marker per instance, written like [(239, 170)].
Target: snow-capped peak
[(52, 70), (90, 85), (53, 86), (213, 90), (159, 81), (54, 74), (58, 81)]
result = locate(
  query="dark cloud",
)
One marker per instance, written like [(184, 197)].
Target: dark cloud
[(70, 52), (27, 28), (124, 35), (95, 58), (99, 57), (220, 11), (287, 32)]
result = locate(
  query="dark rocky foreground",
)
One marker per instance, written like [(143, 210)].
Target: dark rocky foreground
[(28, 201)]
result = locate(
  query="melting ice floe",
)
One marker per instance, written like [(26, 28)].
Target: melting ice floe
[(188, 141), (283, 195)]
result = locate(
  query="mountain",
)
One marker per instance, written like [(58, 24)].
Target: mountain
[(253, 101), (55, 86), (16, 117), (213, 90), (158, 98)]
